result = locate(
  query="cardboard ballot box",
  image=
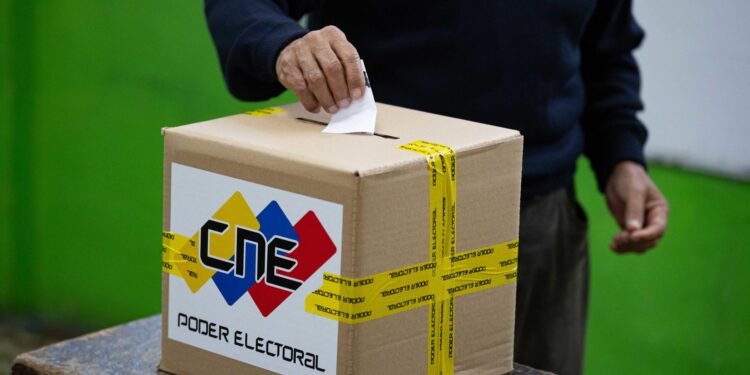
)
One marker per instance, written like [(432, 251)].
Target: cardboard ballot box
[(287, 250)]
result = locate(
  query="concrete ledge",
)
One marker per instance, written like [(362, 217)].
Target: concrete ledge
[(132, 348)]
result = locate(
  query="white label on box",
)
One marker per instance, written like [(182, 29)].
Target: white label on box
[(253, 311)]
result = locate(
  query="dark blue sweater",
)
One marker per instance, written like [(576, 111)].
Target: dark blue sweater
[(560, 71)]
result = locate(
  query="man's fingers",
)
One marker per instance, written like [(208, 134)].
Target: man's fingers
[(287, 68), (349, 57), (334, 73), (621, 237), (634, 206), (634, 247), (639, 207), (655, 226), (624, 242), (292, 78), (308, 100), (627, 244), (315, 79), (318, 67)]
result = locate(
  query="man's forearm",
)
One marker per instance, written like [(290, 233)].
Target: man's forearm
[(612, 130), (249, 34)]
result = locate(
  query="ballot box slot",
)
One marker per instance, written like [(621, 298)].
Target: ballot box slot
[(386, 136)]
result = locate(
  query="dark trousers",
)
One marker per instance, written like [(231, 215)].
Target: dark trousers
[(553, 282)]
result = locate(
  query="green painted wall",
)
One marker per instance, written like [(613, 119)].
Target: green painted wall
[(93, 83), (5, 153), (87, 85), (682, 308)]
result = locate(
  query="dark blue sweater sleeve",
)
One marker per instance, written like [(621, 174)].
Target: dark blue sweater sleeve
[(612, 131), (249, 35)]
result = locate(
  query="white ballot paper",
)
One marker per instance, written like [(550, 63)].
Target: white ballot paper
[(359, 117)]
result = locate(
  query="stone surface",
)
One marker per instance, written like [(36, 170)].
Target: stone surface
[(20, 334), (132, 348)]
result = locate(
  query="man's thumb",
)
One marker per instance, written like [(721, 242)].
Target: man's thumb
[(634, 210)]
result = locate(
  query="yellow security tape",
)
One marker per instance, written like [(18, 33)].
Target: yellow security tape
[(265, 111), (180, 258), (357, 300), (441, 161), (170, 253)]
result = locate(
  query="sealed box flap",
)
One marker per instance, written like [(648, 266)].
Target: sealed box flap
[(295, 135)]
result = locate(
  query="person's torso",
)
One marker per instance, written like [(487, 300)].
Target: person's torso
[(510, 63)]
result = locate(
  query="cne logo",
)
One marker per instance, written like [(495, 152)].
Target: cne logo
[(264, 256), (268, 260)]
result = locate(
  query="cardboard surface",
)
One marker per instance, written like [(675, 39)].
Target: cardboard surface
[(383, 194)]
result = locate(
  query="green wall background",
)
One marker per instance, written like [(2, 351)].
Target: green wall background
[(86, 87), (90, 85), (5, 153)]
